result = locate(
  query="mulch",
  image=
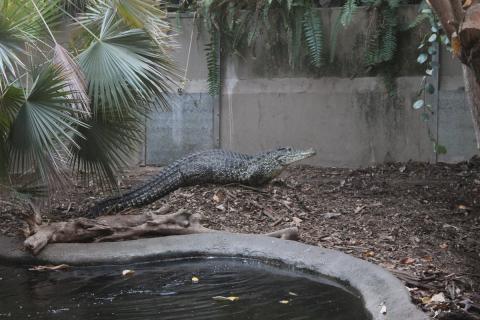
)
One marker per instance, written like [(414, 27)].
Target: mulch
[(420, 221)]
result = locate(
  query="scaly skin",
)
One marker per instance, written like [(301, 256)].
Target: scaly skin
[(212, 166)]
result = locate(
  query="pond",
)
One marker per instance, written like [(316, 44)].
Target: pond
[(217, 288)]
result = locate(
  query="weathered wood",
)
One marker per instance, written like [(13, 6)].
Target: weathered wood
[(126, 227)]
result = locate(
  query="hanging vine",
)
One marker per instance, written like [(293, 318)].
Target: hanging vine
[(237, 24)]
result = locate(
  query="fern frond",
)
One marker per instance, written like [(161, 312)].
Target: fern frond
[(313, 31), (344, 19), (213, 57), (347, 12)]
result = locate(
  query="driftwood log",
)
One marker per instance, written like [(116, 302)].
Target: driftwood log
[(122, 227)]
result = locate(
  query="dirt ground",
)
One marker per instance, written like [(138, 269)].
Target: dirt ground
[(420, 221)]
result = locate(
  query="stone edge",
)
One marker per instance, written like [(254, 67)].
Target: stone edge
[(377, 286)]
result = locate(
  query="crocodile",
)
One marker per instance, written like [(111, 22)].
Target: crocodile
[(212, 166)]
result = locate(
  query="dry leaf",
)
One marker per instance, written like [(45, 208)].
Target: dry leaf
[(426, 300), (439, 297), (128, 273), (195, 279), (466, 4), (359, 209), (220, 207), (222, 298), (330, 215), (292, 293), (443, 246), (297, 221), (407, 260), (284, 301), (383, 309), (218, 197), (369, 254), (49, 267)]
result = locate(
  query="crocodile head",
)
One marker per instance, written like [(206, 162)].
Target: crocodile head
[(270, 164)]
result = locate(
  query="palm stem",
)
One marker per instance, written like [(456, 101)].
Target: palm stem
[(44, 22)]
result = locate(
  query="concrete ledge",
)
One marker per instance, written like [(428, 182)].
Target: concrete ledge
[(376, 285)]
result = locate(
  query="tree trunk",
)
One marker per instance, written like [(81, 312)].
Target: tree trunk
[(124, 227), (462, 25), (472, 91)]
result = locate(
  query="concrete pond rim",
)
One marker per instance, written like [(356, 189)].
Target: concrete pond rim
[(385, 296)]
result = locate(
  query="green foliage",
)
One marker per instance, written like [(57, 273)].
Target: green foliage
[(213, 65), (81, 105), (238, 24), (344, 19), (312, 26)]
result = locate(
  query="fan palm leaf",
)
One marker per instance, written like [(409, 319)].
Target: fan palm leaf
[(124, 68), (44, 125), (109, 143)]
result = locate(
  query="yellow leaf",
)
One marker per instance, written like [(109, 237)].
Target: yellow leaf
[(426, 300), (128, 273), (466, 4), (222, 298), (195, 279), (284, 301)]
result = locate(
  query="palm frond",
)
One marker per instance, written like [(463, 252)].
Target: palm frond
[(44, 125), (124, 69), (73, 74), (11, 47), (109, 142)]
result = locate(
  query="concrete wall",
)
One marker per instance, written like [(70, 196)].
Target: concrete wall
[(351, 121)]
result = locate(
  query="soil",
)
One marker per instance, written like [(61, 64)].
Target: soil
[(420, 221)]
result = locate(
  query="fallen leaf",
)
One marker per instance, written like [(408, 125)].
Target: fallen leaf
[(466, 4), (383, 309), (284, 301), (195, 279), (426, 300), (222, 298), (369, 254), (292, 293), (297, 221), (407, 260), (359, 209), (330, 215), (443, 246), (402, 169), (221, 207), (49, 267), (439, 297), (218, 197), (128, 273), (428, 258)]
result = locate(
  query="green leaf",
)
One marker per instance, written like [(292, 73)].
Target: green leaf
[(418, 104), (432, 37), (439, 149), (109, 142), (430, 88), (312, 28), (44, 125), (422, 58), (124, 68)]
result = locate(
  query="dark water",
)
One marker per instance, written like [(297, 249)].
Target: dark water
[(165, 291)]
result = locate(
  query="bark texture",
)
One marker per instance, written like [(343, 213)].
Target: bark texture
[(461, 22), (126, 227)]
